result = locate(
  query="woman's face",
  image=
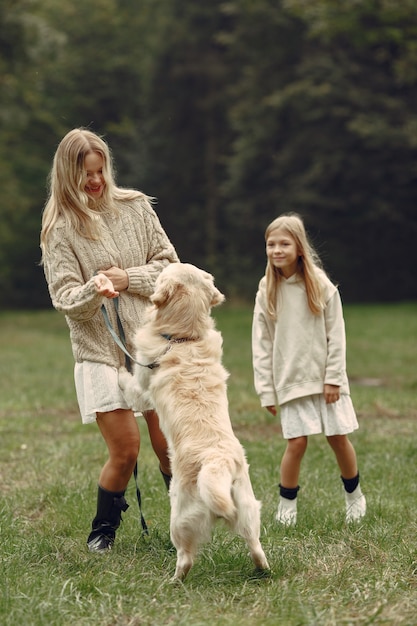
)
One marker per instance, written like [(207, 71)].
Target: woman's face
[(93, 165)]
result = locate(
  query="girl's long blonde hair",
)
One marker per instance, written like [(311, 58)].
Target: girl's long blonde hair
[(66, 182), (308, 260)]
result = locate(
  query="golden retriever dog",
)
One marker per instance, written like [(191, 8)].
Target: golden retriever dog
[(179, 372)]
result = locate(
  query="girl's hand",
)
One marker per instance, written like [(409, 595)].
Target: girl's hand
[(331, 393), (104, 286), (118, 277), (271, 409)]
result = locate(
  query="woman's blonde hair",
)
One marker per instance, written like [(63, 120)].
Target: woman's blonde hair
[(308, 260), (66, 183)]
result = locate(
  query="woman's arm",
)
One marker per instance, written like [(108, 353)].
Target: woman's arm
[(158, 249), (70, 294)]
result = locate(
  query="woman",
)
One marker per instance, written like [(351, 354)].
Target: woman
[(100, 242)]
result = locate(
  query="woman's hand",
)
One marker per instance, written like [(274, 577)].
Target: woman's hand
[(271, 409), (118, 277), (104, 286), (331, 393)]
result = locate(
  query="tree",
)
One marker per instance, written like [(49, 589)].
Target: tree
[(341, 145), (185, 129), (229, 112), (25, 42)]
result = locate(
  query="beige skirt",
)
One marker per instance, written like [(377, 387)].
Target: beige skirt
[(311, 415), (97, 388)]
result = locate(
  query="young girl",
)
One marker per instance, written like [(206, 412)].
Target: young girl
[(99, 242), (298, 345)]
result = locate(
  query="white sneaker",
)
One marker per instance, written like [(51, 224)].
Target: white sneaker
[(355, 505), (287, 512)]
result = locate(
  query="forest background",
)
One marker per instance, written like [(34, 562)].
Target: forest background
[(229, 113)]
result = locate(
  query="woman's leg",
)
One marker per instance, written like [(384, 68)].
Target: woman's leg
[(121, 434), (158, 441)]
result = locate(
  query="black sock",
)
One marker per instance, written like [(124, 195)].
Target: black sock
[(290, 494), (350, 484)]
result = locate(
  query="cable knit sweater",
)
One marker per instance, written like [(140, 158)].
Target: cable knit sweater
[(134, 241), (299, 352)]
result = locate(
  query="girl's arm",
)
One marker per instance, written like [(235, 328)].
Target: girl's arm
[(262, 352), (331, 393), (335, 373)]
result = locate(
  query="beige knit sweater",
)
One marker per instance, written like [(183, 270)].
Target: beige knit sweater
[(134, 241)]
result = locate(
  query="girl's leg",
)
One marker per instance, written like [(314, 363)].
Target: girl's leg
[(346, 459), (121, 434), (288, 488), (345, 455), (291, 461)]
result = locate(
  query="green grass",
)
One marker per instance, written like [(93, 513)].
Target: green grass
[(323, 573)]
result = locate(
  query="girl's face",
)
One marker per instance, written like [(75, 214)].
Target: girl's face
[(282, 251), (93, 165)]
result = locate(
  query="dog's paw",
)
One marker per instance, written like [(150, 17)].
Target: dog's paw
[(260, 573), (124, 378)]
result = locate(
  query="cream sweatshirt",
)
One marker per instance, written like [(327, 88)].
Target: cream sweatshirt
[(296, 354), (134, 241)]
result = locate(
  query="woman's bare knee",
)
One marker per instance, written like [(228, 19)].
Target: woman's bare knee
[(121, 434)]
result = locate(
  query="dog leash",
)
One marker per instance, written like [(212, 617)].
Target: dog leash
[(120, 339), (121, 342), (139, 498)]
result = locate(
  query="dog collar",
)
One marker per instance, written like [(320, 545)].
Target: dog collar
[(177, 339), (171, 340)]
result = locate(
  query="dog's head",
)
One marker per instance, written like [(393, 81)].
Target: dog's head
[(183, 297)]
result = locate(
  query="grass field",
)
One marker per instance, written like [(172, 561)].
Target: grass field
[(323, 573)]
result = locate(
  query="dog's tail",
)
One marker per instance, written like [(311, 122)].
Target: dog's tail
[(215, 487)]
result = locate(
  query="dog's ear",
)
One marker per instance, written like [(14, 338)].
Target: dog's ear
[(217, 297), (162, 293)]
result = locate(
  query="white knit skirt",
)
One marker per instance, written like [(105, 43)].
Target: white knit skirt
[(311, 415), (97, 388)]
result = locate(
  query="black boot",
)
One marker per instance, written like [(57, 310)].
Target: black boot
[(110, 505), (166, 477)]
